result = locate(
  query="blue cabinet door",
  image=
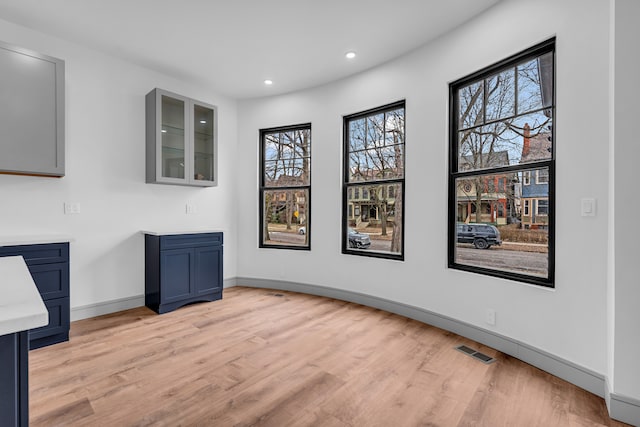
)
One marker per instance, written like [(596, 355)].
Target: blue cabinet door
[(176, 274), (14, 379), (208, 268), (181, 269)]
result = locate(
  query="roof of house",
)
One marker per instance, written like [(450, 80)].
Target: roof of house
[(484, 160), (537, 147)]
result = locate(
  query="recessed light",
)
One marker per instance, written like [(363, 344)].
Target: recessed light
[(268, 82), (163, 131), (203, 121), (350, 55)]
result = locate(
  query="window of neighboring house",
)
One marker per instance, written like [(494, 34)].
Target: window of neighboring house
[(542, 176), (542, 207), (374, 154), (501, 124), (285, 187)]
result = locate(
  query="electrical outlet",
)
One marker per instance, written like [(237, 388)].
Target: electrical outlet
[(71, 208), (491, 317)]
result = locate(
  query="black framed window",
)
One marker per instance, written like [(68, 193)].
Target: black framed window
[(285, 187), (373, 189), (502, 130)]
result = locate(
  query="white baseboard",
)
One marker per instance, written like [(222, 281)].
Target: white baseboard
[(622, 408), (113, 306), (107, 307)]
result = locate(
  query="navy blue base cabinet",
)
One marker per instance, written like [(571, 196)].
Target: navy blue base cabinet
[(49, 267), (14, 379), (181, 269)]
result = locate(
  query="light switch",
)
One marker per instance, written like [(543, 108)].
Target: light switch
[(588, 207)]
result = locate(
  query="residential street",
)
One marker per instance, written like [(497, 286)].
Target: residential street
[(516, 261)]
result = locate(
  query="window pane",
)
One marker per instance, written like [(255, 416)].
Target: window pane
[(287, 145), (375, 130), (383, 162), (357, 135), (543, 207), (374, 221), (501, 95), (470, 100), (542, 176), (287, 158), (535, 84), (285, 217), (534, 136), (203, 143), (173, 137), (394, 127), (499, 230), (523, 139)]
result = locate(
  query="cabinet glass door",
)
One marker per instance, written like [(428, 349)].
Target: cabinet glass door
[(173, 137), (203, 140)]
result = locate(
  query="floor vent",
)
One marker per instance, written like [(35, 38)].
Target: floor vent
[(278, 295), (475, 354)]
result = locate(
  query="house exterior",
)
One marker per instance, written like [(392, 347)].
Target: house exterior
[(367, 205), (288, 204), (495, 192), (534, 199)]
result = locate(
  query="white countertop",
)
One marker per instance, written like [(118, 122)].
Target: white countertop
[(34, 239), (170, 232), (21, 307)]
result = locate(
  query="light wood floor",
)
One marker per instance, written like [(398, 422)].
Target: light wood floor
[(272, 358)]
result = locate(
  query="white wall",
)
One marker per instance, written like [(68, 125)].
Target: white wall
[(569, 321), (105, 173), (624, 344)]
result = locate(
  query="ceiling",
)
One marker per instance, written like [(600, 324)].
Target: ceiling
[(232, 46)]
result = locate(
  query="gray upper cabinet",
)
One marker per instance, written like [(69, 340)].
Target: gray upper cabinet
[(31, 113), (181, 140)]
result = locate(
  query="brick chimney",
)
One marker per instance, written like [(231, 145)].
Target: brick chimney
[(526, 146)]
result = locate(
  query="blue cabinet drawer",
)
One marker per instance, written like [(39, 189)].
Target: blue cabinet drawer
[(39, 254), (181, 241), (52, 280), (48, 264)]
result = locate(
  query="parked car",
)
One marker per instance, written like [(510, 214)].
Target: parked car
[(483, 236), (358, 240)]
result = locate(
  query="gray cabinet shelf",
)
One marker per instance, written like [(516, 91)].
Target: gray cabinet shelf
[(181, 140)]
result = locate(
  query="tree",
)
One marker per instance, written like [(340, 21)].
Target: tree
[(376, 159), (287, 161), (494, 116)]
